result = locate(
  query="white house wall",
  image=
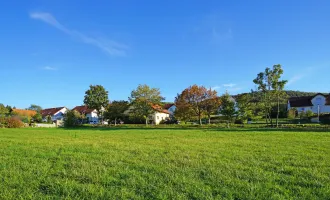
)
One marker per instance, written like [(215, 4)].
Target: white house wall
[(317, 101), (59, 115), (157, 117), (93, 117)]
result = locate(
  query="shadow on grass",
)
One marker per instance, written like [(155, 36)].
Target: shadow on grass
[(219, 129)]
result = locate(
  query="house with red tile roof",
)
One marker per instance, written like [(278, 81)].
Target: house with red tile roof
[(90, 114), (159, 114), (318, 103), (54, 113)]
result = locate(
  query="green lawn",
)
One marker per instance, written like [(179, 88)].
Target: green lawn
[(163, 164)]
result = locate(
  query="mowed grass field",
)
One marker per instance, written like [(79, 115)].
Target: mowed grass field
[(163, 164)]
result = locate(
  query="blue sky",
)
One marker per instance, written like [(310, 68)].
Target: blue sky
[(51, 51)]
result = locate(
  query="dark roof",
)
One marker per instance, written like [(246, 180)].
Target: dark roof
[(301, 101), (50, 111), (167, 106), (306, 100), (83, 109)]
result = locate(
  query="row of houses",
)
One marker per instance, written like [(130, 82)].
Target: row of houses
[(160, 113), (319, 103)]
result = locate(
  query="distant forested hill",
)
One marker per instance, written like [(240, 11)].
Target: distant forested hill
[(290, 93)]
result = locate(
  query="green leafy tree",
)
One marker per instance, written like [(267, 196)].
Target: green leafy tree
[(246, 107), (271, 87), (9, 108), (97, 98), (116, 110), (71, 118), (49, 119), (3, 110), (35, 108), (227, 108), (142, 99), (37, 117)]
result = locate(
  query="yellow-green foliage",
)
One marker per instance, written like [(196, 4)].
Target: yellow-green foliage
[(168, 163)]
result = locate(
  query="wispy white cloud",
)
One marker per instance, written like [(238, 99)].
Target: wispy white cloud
[(49, 68), (230, 85), (217, 87), (234, 89), (110, 47), (295, 78)]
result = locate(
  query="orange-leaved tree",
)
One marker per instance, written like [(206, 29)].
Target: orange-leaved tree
[(195, 98), (211, 104)]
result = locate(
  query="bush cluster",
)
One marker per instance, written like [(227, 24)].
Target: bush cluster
[(11, 122)]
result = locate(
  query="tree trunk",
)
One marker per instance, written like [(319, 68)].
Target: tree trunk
[(115, 121), (200, 120), (209, 119), (146, 121)]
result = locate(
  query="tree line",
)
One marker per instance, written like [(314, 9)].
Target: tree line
[(197, 102), (194, 103)]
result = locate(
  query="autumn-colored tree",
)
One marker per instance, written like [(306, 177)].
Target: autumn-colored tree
[(25, 113), (183, 109), (211, 104), (195, 98)]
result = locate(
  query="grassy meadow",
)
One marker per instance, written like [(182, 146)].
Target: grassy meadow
[(95, 163)]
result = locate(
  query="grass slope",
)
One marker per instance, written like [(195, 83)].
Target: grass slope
[(163, 164)]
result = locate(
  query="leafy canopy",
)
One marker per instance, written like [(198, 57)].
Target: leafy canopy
[(96, 97), (143, 98), (116, 110)]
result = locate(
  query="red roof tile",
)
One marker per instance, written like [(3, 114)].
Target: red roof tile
[(50, 111), (83, 109), (158, 108)]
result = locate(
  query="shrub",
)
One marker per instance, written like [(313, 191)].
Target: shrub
[(292, 113), (37, 118), (11, 122), (309, 113), (71, 118)]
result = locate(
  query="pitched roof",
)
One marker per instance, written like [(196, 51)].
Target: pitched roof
[(50, 111), (167, 106), (158, 108), (306, 101), (83, 109)]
